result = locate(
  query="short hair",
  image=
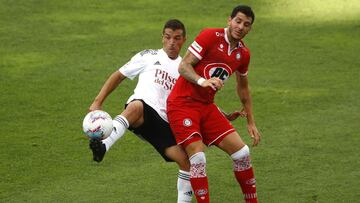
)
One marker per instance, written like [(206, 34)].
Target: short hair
[(175, 24), (245, 10)]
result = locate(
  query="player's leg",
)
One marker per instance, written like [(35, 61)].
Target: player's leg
[(218, 130), (233, 145), (184, 118), (178, 154), (131, 116), (156, 131), (195, 150)]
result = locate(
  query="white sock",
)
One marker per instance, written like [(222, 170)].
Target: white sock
[(184, 187), (241, 159), (198, 165), (120, 124)]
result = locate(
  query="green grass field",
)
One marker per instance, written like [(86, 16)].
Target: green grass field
[(55, 56)]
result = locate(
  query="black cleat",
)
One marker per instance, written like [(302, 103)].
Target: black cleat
[(98, 149)]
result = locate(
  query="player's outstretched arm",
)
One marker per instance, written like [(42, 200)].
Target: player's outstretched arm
[(111, 83), (186, 69), (245, 97), (233, 115)]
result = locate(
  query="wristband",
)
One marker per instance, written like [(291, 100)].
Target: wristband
[(200, 81)]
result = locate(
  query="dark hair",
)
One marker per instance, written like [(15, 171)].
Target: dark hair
[(245, 10), (175, 24)]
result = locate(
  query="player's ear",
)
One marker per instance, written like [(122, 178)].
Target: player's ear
[(249, 29), (229, 20)]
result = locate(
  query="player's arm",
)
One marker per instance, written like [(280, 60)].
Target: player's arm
[(111, 83), (233, 115), (243, 91), (186, 69)]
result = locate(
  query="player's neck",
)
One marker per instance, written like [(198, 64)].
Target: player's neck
[(233, 42), (171, 56)]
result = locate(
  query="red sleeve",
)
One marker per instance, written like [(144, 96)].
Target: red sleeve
[(202, 43)]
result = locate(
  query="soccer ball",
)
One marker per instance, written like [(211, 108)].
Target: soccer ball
[(97, 124)]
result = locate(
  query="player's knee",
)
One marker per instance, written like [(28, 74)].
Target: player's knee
[(198, 165), (184, 165), (179, 156), (135, 106), (134, 113), (241, 159), (194, 146), (198, 158), (243, 152)]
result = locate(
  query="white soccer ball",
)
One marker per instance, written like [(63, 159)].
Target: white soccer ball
[(97, 124)]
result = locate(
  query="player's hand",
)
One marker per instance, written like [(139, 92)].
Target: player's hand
[(254, 133), (214, 83), (243, 113), (234, 115), (95, 106)]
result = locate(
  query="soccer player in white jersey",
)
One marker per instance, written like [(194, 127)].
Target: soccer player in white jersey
[(145, 111)]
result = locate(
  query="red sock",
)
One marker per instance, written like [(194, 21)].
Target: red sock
[(198, 178), (201, 189), (246, 179)]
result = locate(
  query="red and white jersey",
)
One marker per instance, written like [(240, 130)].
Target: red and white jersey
[(157, 76), (216, 59)]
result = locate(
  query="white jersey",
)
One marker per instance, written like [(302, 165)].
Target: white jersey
[(157, 76)]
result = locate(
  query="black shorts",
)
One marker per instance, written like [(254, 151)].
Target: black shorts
[(155, 130)]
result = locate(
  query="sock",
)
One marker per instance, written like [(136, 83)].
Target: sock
[(198, 178), (120, 124), (184, 187), (244, 174)]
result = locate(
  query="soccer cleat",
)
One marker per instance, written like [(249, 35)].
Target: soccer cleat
[(98, 149)]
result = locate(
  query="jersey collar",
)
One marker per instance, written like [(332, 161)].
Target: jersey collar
[(227, 41), (162, 51)]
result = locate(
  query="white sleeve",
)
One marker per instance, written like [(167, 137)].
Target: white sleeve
[(134, 67)]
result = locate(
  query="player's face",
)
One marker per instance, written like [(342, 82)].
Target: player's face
[(239, 26), (172, 42)]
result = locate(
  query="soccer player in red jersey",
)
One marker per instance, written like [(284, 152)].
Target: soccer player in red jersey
[(215, 54), (145, 111)]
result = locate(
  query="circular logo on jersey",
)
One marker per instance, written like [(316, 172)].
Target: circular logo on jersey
[(221, 46), (238, 56), (219, 70), (187, 122)]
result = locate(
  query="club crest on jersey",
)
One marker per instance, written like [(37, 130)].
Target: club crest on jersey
[(221, 48), (187, 122), (238, 56), (219, 70)]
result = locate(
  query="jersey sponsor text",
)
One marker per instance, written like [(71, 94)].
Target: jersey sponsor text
[(163, 78)]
